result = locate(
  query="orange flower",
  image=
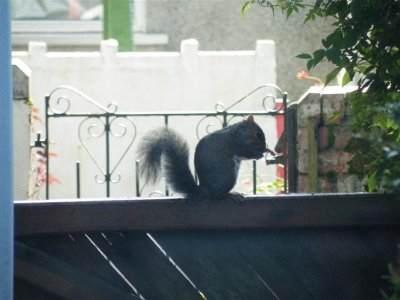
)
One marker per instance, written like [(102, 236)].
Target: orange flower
[(37, 118), (53, 154), (303, 75), (54, 180), (247, 182)]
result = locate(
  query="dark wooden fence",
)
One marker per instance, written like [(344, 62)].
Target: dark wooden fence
[(335, 246)]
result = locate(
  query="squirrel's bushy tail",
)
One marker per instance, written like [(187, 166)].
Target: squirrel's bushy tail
[(164, 147)]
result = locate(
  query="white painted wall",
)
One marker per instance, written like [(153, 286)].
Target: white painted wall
[(189, 80)]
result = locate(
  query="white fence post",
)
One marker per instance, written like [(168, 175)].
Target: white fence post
[(109, 50), (37, 53), (189, 47)]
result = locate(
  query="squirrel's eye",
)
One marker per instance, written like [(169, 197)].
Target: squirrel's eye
[(259, 135)]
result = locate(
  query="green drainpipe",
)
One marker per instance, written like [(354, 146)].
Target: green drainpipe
[(117, 23)]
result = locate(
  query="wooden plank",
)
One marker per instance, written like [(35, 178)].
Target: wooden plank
[(61, 279), (291, 131), (312, 158), (145, 265), (77, 251), (24, 290), (214, 262), (284, 211), (328, 263)]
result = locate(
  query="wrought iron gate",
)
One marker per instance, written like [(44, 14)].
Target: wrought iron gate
[(110, 123)]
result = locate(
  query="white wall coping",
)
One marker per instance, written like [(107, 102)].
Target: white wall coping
[(85, 39), (329, 90)]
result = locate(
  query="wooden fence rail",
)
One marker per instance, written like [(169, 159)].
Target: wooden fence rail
[(318, 210), (335, 246)]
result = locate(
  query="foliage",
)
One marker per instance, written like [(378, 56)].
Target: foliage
[(38, 173), (394, 279), (275, 187), (376, 144), (289, 6), (262, 187), (364, 42)]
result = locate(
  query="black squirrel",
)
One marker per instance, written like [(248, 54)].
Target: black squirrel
[(217, 159)]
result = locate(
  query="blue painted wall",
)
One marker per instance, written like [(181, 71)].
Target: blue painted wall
[(6, 154)]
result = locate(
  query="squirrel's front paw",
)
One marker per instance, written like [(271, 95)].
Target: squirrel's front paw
[(237, 197)]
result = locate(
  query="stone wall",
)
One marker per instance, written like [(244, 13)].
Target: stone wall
[(21, 136), (322, 134)]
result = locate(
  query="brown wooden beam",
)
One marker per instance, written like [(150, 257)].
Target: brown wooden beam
[(284, 211)]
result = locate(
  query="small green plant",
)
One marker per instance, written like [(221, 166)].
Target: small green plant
[(331, 177), (394, 290), (376, 144), (274, 187)]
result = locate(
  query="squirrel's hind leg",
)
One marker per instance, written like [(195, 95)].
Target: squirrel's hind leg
[(235, 196)]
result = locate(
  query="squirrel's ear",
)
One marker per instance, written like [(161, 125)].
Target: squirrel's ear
[(250, 119)]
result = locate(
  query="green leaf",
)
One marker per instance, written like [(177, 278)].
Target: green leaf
[(380, 120), (346, 79), (350, 39), (372, 182), (318, 3), (325, 43), (333, 54), (362, 69), (319, 55), (357, 8), (304, 56), (335, 38), (310, 64), (309, 16), (245, 7), (335, 116), (289, 12), (332, 75)]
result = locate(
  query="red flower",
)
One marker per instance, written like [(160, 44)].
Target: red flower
[(303, 75)]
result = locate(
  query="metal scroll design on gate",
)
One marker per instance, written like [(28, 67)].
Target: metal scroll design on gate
[(107, 124), (223, 116), (58, 102), (104, 125), (107, 127)]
